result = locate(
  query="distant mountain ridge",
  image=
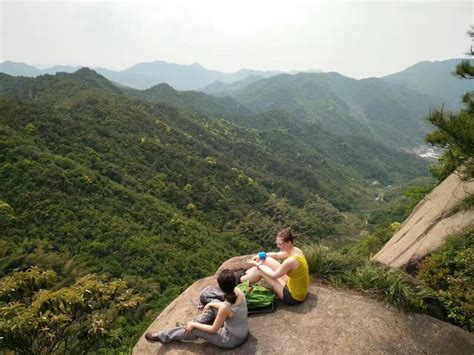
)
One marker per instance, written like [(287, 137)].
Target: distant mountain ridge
[(434, 79), (429, 78), (194, 101), (372, 108), (147, 74), (218, 88)]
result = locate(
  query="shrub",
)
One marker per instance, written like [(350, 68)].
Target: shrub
[(329, 265), (450, 272), (76, 319), (347, 270), (393, 285)]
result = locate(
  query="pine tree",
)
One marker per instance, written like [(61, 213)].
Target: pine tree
[(455, 131)]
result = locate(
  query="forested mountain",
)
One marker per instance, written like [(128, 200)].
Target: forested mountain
[(370, 108), (435, 79), (219, 88), (193, 101), (370, 158), (100, 180)]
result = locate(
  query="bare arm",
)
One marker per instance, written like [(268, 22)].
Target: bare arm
[(212, 304), (222, 315), (278, 255), (275, 255), (283, 269)]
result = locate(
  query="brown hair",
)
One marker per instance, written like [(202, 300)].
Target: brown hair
[(286, 235), (227, 282)]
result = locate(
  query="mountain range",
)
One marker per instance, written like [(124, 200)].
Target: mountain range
[(148, 74), (435, 79), (128, 187), (374, 109), (429, 78)]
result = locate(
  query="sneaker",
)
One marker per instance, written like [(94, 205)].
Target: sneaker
[(153, 337)]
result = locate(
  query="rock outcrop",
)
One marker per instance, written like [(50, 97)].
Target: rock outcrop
[(329, 322), (428, 225)]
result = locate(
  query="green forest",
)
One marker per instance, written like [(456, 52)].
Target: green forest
[(115, 200)]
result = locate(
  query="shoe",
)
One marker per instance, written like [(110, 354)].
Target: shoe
[(153, 337)]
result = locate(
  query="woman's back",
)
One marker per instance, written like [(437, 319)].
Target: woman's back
[(238, 325)]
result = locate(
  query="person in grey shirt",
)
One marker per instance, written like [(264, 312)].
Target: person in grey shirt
[(224, 324)]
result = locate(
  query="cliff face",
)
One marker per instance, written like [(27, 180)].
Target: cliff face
[(328, 322), (429, 223)]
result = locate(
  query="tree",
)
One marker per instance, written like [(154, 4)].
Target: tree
[(74, 319), (455, 131)]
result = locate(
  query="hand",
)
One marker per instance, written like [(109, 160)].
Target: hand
[(254, 262), (206, 307), (189, 327)]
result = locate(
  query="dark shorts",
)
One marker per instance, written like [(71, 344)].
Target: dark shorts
[(288, 298)]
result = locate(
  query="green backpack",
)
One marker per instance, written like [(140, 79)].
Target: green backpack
[(259, 299)]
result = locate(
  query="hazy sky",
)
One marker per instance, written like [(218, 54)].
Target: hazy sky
[(355, 38)]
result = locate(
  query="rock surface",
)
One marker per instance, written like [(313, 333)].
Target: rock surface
[(329, 322), (428, 225)]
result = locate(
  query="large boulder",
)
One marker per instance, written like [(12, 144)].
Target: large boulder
[(428, 225), (329, 322)]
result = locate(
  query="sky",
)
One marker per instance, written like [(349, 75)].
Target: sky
[(355, 38)]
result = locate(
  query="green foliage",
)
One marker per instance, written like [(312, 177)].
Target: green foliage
[(400, 203), (353, 271), (371, 243), (75, 319), (455, 131), (392, 285), (465, 69), (329, 265), (450, 272), (464, 205)]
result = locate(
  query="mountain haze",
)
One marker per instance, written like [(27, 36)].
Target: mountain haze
[(435, 79), (219, 88), (146, 75), (370, 108)]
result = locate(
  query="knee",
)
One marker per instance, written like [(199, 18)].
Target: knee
[(269, 260)]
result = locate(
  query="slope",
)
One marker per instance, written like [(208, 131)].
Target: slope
[(369, 108), (193, 101), (435, 79), (121, 184)]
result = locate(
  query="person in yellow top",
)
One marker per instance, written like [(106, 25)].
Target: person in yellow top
[(289, 279)]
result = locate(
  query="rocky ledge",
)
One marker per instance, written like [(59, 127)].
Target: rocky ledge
[(329, 322)]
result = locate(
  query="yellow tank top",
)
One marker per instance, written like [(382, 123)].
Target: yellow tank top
[(298, 279)]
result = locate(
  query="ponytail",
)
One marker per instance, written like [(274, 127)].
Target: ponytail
[(230, 297), (227, 282)]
